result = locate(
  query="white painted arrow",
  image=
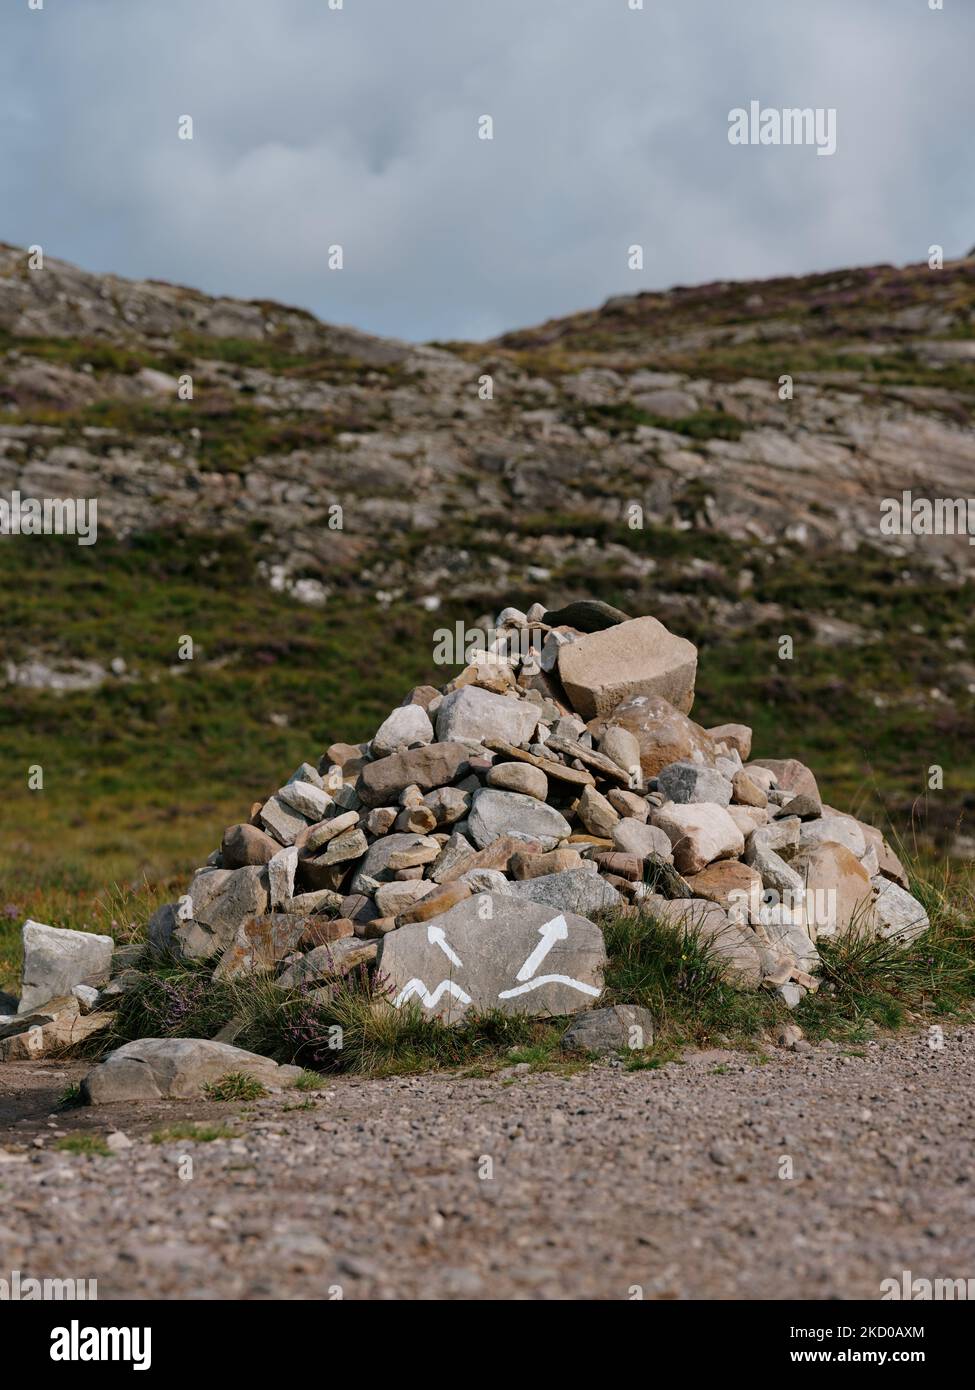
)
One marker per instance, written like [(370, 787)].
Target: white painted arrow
[(436, 937), (556, 930)]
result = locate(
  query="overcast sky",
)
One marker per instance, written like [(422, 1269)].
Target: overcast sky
[(358, 126)]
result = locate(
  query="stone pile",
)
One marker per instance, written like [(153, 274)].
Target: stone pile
[(466, 851)]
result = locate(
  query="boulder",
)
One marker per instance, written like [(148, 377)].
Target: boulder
[(519, 777), (597, 813), (246, 844), (496, 813), (375, 866), (737, 948), (622, 1028), (435, 765), (405, 727), (622, 746), (635, 837), (217, 902), (898, 914), (573, 890), (838, 892), (475, 714), (733, 886), (637, 657), (56, 959), (699, 833), (328, 962), (495, 952), (664, 734), (175, 1068)]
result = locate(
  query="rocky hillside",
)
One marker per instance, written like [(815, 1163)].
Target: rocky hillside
[(327, 499)]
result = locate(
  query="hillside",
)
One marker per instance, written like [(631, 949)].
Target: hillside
[(218, 519)]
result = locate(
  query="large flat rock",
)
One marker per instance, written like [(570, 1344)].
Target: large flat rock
[(495, 952), (435, 765), (498, 813), (639, 657), (156, 1068)]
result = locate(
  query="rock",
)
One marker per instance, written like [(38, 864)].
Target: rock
[(281, 876), (519, 777), (634, 837), (791, 776), (524, 866), (259, 943), (554, 771), (663, 879), (748, 818), (405, 727), (305, 798), (312, 839), (448, 804), (56, 959), (699, 833), (589, 757), (380, 821), (596, 813), (573, 890), (495, 952), (392, 898), (838, 891), (328, 962), (776, 875), (423, 695), (324, 900), (376, 865), (320, 931), (684, 782), (174, 1068), (664, 734), (58, 1027), (781, 836), (246, 844), (622, 1028), (424, 851), (735, 887), (841, 830), (486, 881), (162, 925), (803, 807), (282, 821), (622, 746), (734, 736), (788, 1034), (586, 615), (441, 899), (420, 819), (435, 765), (898, 914), (87, 997), (628, 804), (636, 657), (497, 813), (785, 935), (452, 855), (476, 714), (747, 792), (218, 901)]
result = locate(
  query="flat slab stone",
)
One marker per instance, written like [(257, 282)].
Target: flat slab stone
[(157, 1068), (436, 765), (622, 1028), (495, 952), (496, 813)]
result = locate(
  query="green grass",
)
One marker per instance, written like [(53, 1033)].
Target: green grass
[(91, 1145), (309, 1081), (235, 1085)]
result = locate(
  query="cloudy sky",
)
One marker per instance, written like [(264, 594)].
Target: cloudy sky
[(357, 126)]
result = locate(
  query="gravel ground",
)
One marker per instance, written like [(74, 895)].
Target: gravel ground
[(525, 1185)]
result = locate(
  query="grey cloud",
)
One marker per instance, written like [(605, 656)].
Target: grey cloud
[(358, 126)]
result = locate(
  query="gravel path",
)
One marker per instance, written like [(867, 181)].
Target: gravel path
[(527, 1185)]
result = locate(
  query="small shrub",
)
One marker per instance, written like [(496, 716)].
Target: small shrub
[(236, 1085)]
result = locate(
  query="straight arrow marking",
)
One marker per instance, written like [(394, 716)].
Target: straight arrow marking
[(556, 930)]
